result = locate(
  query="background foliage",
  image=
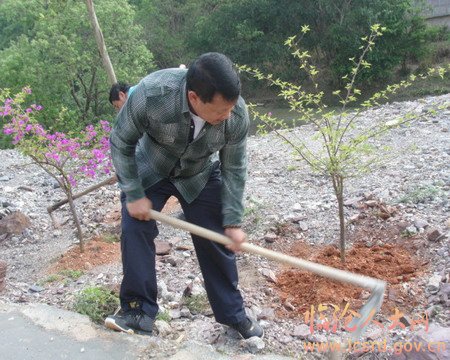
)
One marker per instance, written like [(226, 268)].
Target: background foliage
[(49, 45), (54, 52)]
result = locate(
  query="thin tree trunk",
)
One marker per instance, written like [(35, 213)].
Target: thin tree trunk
[(89, 93), (77, 221), (342, 234), (74, 95), (101, 43), (338, 185)]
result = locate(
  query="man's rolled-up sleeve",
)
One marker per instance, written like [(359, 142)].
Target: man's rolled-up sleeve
[(129, 128)]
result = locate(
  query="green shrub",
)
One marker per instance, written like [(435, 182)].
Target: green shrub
[(96, 302), (292, 168), (110, 238), (196, 303), (49, 279), (72, 274), (421, 194), (164, 316), (65, 276)]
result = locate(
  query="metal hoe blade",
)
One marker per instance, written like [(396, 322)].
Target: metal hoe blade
[(368, 311)]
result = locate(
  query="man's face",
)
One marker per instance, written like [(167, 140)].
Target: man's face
[(119, 103), (214, 112)]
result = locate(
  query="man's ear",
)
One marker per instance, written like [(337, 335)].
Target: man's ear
[(193, 97), (122, 96)]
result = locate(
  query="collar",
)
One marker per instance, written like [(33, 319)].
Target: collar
[(184, 99)]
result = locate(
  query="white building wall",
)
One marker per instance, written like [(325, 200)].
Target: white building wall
[(439, 12)]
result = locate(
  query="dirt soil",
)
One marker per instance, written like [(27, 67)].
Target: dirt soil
[(103, 249), (97, 252), (379, 250), (391, 263), (391, 259)]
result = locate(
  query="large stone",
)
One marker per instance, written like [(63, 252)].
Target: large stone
[(301, 331), (162, 328), (353, 202), (303, 226), (267, 314), (445, 288), (270, 237), (14, 223), (421, 224), (162, 247), (434, 284), (175, 313), (434, 235), (269, 275), (253, 345)]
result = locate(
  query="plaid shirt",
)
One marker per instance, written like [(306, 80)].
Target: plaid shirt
[(149, 143)]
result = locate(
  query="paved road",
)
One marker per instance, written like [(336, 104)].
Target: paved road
[(42, 332), (38, 332)]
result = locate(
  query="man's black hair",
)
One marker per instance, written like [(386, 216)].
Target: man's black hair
[(213, 72), (115, 89)]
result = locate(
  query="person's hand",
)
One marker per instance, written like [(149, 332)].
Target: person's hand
[(237, 236), (140, 209)]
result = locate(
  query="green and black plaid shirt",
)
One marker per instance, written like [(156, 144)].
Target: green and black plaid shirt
[(149, 143)]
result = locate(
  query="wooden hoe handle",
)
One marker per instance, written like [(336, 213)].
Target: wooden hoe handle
[(323, 270)]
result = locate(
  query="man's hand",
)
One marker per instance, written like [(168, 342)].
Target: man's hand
[(238, 236), (140, 209)]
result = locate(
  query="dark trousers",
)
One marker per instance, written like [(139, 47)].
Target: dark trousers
[(218, 264)]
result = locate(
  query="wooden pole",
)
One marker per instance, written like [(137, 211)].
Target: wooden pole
[(101, 43)]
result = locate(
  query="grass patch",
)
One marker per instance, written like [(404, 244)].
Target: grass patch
[(71, 274), (196, 303), (292, 168), (96, 302), (63, 276), (110, 238), (421, 194), (164, 316), (49, 279)]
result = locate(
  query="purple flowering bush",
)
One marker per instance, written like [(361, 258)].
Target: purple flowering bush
[(65, 157)]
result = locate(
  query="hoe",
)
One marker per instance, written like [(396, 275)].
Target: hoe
[(376, 286)]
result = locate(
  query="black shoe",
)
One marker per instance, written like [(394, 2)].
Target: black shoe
[(248, 328), (132, 321)]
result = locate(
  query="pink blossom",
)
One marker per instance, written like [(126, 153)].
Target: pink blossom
[(105, 126), (39, 130), (17, 138), (53, 156), (99, 155), (36, 107), (90, 149)]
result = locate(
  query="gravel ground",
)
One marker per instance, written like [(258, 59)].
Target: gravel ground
[(280, 189)]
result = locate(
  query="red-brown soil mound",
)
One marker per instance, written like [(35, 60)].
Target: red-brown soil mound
[(391, 263)]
